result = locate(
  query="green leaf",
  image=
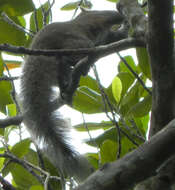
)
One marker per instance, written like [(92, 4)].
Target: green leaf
[(110, 96), (2, 150), (142, 108), (143, 60), (5, 98), (127, 80), (117, 88), (108, 151), (22, 177), (88, 101), (11, 109), (93, 158), (39, 17), (36, 187), (113, 1), (142, 123), (110, 134), (16, 7), (127, 146), (73, 5), (21, 148), (131, 98), (89, 82), (93, 126), (9, 34), (130, 61), (1, 66), (31, 157)]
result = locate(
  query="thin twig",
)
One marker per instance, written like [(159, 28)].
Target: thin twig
[(80, 3), (6, 78), (22, 163), (92, 139), (113, 120), (134, 73), (5, 184), (11, 22), (36, 20), (107, 103), (29, 167), (13, 92), (49, 9), (144, 4)]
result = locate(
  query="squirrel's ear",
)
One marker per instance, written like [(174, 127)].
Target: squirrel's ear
[(83, 9)]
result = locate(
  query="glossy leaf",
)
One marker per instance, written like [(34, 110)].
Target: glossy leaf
[(90, 83), (130, 61), (9, 34), (142, 108), (31, 156), (108, 151), (110, 134), (93, 126), (23, 178), (131, 98), (11, 109), (16, 7), (88, 101), (142, 124), (36, 187), (1, 65), (39, 17), (73, 5), (127, 80), (143, 60), (93, 159), (113, 1), (117, 88), (5, 98), (2, 150), (21, 148)]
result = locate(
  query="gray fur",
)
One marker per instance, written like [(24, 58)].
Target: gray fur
[(40, 74)]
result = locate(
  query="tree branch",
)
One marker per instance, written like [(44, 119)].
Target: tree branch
[(135, 166), (5, 184), (101, 51), (11, 121)]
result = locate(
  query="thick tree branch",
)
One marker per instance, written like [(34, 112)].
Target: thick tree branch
[(135, 166), (11, 121), (160, 47)]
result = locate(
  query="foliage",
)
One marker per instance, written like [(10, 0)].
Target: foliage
[(125, 97)]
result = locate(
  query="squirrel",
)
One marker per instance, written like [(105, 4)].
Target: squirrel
[(41, 73)]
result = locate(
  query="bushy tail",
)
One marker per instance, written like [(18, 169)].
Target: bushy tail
[(46, 127)]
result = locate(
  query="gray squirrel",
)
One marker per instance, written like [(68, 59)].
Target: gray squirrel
[(41, 73)]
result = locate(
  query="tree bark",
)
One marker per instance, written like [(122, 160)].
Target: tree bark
[(160, 48)]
